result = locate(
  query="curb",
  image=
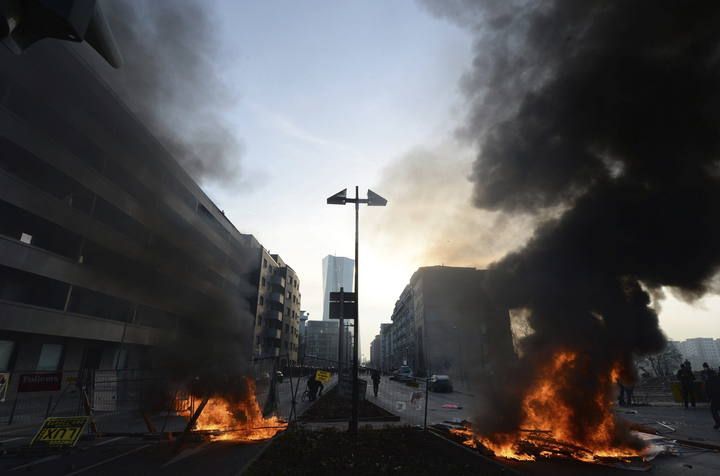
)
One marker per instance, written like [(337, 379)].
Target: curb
[(494, 462)]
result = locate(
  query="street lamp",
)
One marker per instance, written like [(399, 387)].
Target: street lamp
[(372, 200)]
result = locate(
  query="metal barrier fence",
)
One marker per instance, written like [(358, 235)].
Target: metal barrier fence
[(107, 392)]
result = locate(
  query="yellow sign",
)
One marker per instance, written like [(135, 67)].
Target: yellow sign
[(322, 376), (60, 431)]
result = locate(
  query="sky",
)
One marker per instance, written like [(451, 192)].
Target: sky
[(328, 95)]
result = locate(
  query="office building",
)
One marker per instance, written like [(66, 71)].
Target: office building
[(321, 347), (376, 352), (338, 272), (107, 246), (700, 349), (277, 317), (445, 323)]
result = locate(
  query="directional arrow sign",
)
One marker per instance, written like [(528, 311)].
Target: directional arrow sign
[(375, 200), (339, 198)]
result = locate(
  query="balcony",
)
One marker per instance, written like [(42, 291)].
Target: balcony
[(278, 280), (274, 315), (272, 333), (277, 297)]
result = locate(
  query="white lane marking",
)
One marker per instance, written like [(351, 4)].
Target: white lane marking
[(100, 443), (92, 466), (14, 439), (187, 453), (37, 461)]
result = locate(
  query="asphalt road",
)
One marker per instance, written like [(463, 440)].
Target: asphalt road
[(126, 455), (408, 403)]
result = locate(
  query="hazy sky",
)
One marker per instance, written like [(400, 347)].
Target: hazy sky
[(331, 95)]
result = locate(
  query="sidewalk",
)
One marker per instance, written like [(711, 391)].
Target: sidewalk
[(675, 421)]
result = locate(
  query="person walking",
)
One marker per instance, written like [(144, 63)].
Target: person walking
[(313, 386), (376, 381), (687, 380)]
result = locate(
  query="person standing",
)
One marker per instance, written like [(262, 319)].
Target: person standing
[(687, 380), (712, 386), (376, 381), (706, 372)]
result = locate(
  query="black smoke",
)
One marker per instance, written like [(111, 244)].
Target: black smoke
[(172, 80), (607, 113)]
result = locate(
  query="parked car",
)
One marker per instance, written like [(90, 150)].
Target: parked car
[(403, 374), (440, 383)]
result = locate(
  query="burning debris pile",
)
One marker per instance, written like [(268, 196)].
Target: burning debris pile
[(235, 418), (603, 119), (547, 428)]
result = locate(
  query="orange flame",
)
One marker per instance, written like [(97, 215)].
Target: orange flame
[(550, 422), (238, 421)]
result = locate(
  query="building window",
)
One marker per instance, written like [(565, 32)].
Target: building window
[(6, 351), (264, 263), (262, 282), (50, 356), (262, 300)]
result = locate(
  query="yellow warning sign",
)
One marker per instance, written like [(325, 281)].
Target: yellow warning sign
[(60, 431), (322, 376)]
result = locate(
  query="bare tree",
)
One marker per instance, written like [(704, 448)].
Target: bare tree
[(662, 364)]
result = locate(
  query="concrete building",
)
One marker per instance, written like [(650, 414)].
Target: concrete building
[(321, 342), (107, 245), (376, 352), (338, 272), (444, 323), (402, 333), (386, 348), (700, 349), (277, 317)]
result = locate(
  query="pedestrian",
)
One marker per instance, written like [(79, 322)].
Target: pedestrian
[(621, 397), (376, 381), (687, 380), (713, 391), (626, 394), (313, 385)]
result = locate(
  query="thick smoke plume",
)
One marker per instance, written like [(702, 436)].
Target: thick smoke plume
[(610, 112), (171, 81)]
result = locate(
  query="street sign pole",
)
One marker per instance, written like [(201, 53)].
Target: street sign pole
[(356, 330), (373, 200), (341, 336)]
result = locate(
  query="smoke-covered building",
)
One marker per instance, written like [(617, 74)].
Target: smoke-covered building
[(107, 246), (440, 314), (277, 318)]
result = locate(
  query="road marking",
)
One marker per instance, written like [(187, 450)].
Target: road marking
[(92, 466), (37, 461), (187, 453), (14, 439), (100, 443)]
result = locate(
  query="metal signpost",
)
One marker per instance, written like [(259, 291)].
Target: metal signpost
[(373, 200)]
